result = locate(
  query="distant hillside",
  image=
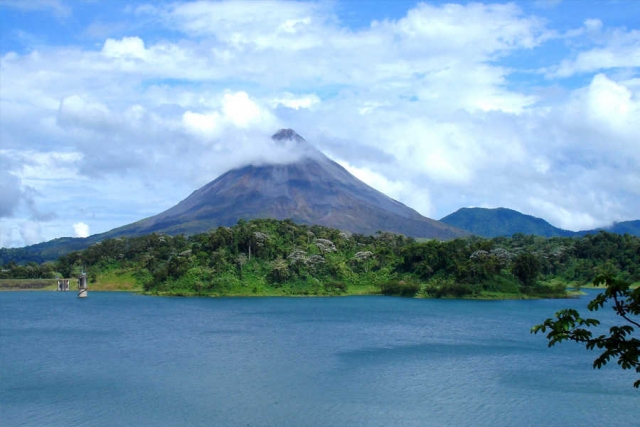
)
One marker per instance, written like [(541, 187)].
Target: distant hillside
[(625, 227), (502, 222), (46, 251)]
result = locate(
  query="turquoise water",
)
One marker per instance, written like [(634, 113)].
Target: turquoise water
[(118, 359)]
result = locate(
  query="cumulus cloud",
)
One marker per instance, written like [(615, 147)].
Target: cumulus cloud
[(236, 111), (610, 103), (581, 157), (396, 189), (127, 47), (13, 192), (604, 116), (75, 111), (202, 124), (81, 229), (429, 107), (242, 112)]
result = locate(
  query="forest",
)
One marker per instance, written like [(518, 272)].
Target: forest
[(271, 257)]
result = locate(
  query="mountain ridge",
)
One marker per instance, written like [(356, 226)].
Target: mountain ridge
[(505, 222), (498, 222)]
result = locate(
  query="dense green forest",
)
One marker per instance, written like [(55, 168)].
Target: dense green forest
[(270, 257)]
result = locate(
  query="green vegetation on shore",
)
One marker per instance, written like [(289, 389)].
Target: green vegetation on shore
[(281, 258), (28, 284)]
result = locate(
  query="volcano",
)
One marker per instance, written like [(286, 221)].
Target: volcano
[(312, 189)]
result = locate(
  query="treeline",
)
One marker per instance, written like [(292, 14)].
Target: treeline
[(45, 251), (270, 257), (30, 270)]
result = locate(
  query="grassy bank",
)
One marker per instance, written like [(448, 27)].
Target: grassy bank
[(125, 280), (28, 285), (115, 280), (121, 281)]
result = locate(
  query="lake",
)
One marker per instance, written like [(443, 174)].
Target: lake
[(118, 359)]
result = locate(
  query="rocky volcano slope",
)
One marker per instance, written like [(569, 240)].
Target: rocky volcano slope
[(310, 190)]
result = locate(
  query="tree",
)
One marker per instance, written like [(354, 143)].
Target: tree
[(363, 257), (620, 342), (526, 268), (241, 260), (279, 270)]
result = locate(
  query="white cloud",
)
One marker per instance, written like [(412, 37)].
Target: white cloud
[(604, 115), (433, 108), (593, 25), (398, 190), (562, 217), (268, 23), (127, 47), (617, 48), (290, 100), (609, 101), (75, 111), (205, 125), (474, 28), (242, 111), (235, 111), (81, 229)]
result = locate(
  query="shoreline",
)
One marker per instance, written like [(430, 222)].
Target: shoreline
[(503, 297)]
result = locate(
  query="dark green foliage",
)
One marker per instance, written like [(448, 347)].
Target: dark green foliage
[(504, 283), (335, 288), (400, 288), (619, 343), (448, 289), (282, 258), (31, 270), (526, 267)]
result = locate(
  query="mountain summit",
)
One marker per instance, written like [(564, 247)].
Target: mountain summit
[(501, 222), (287, 134), (311, 190)]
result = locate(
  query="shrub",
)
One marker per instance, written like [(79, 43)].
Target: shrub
[(400, 288), (448, 289), (335, 287)]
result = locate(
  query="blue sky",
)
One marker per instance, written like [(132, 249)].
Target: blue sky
[(114, 111)]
